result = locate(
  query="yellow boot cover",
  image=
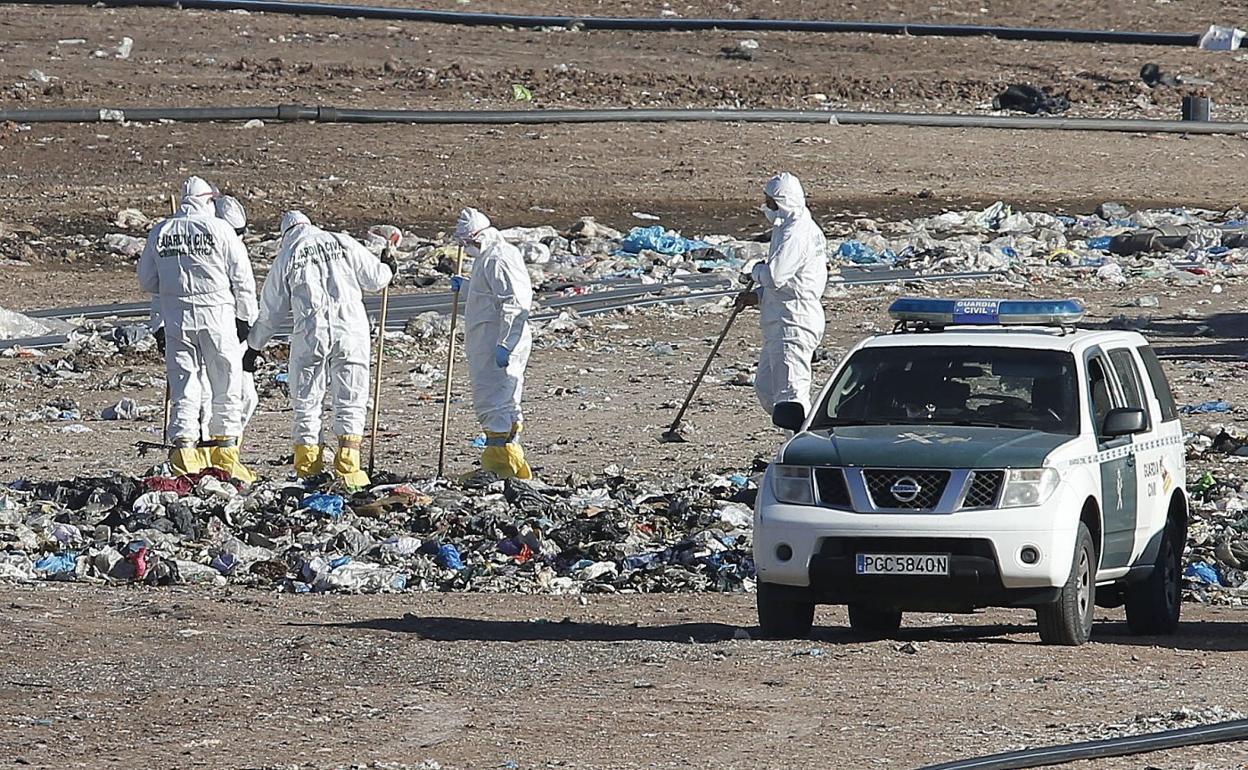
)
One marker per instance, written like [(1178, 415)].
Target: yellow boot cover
[(186, 459), (307, 460), (347, 462), (225, 458), (504, 457)]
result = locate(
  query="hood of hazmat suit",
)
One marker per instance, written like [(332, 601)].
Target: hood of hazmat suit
[(500, 299), (196, 268), (316, 283), (791, 283)]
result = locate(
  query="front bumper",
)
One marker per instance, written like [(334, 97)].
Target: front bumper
[(984, 547)]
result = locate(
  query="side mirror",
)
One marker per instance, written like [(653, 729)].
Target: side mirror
[(788, 415), (1124, 422)]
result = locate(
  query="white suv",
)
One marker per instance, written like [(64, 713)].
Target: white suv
[(983, 454)]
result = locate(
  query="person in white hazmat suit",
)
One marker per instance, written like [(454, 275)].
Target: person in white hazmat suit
[(319, 277), (789, 292), (229, 209), (196, 266), (497, 340)]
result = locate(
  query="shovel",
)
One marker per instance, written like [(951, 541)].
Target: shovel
[(672, 435), (393, 236), (173, 209), (450, 369)]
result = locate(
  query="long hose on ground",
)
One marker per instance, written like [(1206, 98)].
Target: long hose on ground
[(1221, 732), (544, 117), (659, 24)]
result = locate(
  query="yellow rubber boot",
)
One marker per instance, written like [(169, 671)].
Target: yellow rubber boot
[(503, 457), (347, 462), (307, 460), (186, 460), (225, 458)]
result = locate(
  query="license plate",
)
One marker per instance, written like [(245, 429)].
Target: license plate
[(902, 564)]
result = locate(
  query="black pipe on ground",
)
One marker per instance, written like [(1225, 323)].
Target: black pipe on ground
[(289, 113), (661, 24), (1221, 732)]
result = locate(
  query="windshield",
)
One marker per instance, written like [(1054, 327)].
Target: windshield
[(990, 387)]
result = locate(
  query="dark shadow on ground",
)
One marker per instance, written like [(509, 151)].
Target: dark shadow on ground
[(1214, 636), (447, 629), (1201, 635)]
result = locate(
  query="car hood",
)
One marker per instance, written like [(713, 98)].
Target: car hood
[(922, 446)]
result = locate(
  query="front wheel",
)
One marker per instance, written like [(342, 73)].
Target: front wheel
[(1153, 605), (781, 614), (1068, 620)]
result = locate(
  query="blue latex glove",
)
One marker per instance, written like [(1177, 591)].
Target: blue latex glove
[(457, 282), (502, 357)]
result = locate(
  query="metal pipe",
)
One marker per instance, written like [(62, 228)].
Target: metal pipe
[(543, 117), (1221, 732), (657, 24)]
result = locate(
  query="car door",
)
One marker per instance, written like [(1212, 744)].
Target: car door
[(1117, 465), (1152, 500)]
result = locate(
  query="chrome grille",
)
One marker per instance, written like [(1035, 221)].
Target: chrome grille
[(909, 490), (983, 488)]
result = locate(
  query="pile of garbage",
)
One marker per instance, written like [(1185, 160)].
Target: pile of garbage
[(1114, 245), (611, 533)]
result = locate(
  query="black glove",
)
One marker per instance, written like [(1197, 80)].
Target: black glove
[(244, 329), (159, 334), (387, 259), (249, 360)]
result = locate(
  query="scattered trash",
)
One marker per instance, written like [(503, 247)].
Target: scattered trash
[(125, 409), (663, 241), (1030, 99), (521, 93), (1207, 407), (603, 534)]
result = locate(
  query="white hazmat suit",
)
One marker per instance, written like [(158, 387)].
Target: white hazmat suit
[(497, 340), (791, 283), (318, 278), (197, 268), (229, 209)]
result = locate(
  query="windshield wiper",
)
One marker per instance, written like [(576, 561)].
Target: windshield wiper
[(975, 424), (844, 422)]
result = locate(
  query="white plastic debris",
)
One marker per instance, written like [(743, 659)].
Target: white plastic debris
[(1219, 38), (125, 245)]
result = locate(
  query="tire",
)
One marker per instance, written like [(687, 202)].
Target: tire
[(873, 620), (1153, 605), (1068, 621), (780, 615)]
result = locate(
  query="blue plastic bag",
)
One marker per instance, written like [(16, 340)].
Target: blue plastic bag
[(1208, 407), (1203, 573), (861, 254), (448, 557), (655, 238), (330, 505), (57, 563), (1100, 243)]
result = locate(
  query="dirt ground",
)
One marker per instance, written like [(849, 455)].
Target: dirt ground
[(246, 680), (97, 677)]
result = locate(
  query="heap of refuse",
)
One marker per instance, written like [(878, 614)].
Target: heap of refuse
[(611, 533), (1114, 244)]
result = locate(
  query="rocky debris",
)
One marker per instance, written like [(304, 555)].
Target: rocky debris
[(612, 533)]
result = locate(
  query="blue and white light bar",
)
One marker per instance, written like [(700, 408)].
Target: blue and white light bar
[(987, 312)]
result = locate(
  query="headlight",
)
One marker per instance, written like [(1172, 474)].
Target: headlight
[(792, 484), (1028, 487)]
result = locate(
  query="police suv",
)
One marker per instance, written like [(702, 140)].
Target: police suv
[(986, 453)]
